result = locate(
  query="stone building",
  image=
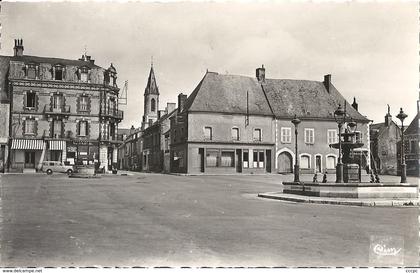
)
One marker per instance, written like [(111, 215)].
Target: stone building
[(412, 147), (383, 144), (61, 109), (4, 113), (130, 151), (238, 124)]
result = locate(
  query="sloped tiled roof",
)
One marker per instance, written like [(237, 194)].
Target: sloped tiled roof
[(305, 98), (151, 87), (4, 69), (413, 128), (49, 60), (282, 98), (228, 94)]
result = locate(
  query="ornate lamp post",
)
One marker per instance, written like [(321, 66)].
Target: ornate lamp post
[(296, 122), (340, 118), (401, 116)]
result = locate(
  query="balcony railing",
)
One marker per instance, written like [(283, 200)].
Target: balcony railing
[(117, 114), (64, 110)]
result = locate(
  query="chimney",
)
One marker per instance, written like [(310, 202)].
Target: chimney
[(170, 106), (181, 102), (327, 82), (260, 74), (355, 104), (18, 49), (388, 118)]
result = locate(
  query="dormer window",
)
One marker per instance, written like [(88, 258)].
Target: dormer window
[(31, 71), (58, 72), (84, 74)]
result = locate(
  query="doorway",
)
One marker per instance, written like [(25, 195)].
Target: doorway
[(30, 160), (318, 167), (284, 163)]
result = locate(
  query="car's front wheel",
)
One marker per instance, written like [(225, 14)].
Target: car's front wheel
[(49, 171), (69, 171)]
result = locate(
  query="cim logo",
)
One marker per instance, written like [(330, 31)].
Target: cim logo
[(384, 250)]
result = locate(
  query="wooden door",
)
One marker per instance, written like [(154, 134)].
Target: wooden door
[(284, 163)]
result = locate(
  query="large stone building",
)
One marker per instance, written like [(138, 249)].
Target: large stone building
[(238, 124), (61, 109), (412, 147), (383, 144)]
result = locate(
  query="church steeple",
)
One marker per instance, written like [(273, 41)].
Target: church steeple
[(151, 87), (151, 100)]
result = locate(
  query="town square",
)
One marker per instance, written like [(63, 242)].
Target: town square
[(209, 134)]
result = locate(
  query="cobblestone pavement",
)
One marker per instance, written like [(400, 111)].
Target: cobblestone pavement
[(166, 220)]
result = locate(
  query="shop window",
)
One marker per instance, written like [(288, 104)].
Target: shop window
[(305, 162), (212, 158), (286, 135), (30, 99), (245, 157), (257, 135), (259, 159), (227, 159), (235, 133), (332, 136), (309, 136), (208, 133)]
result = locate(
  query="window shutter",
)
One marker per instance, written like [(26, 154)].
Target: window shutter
[(25, 99), (78, 128), (51, 133), (78, 104), (36, 101), (87, 129), (62, 129), (88, 104), (36, 127), (24, 127)]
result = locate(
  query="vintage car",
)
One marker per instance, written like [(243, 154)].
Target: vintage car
[(56, 166)]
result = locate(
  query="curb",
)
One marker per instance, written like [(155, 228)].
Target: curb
[(406, 203)]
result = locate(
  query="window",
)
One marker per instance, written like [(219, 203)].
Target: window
[(332, 136), (83, 128), (211, 158), (413, 145), (246, 159), (111, 106), (153, 105), (84, 74), (84, 103), (235, 133), (57, 124), (30, 99), (30, 126), (208, 133), (305, 162), (57, 101), (286, 135), (227, 159), (331, 162), (309, 136), (58, 73), (31, 72), (258, 159), (257, 135), (359, 136)]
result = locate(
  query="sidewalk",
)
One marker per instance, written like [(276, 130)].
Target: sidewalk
[(341, 201)]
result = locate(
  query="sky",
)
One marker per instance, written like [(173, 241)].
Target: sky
[(371, 48)]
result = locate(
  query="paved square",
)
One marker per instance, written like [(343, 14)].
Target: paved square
[(166, 220)]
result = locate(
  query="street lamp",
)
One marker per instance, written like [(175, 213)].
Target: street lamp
[(296, 122), (340, 118), (401, 116)]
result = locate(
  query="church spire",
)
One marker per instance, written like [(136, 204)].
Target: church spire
[(151, 87)]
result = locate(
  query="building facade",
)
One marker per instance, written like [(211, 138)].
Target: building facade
[(412, 147), (237, 124), (384, 138), (62, 110)]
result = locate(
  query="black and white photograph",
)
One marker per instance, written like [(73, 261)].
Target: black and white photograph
[(209, 134)]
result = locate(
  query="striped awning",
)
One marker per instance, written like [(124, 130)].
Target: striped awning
[(27, 144), (57, 145)]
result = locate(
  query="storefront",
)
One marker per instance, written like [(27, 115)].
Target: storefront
[(27, 153)]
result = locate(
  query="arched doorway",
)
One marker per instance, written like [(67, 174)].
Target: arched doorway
[(284, 163)]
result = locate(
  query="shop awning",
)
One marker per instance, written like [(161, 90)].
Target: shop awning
[(27, 144), (57, 145)]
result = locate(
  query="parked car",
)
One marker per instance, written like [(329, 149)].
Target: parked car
[(56, 166)]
